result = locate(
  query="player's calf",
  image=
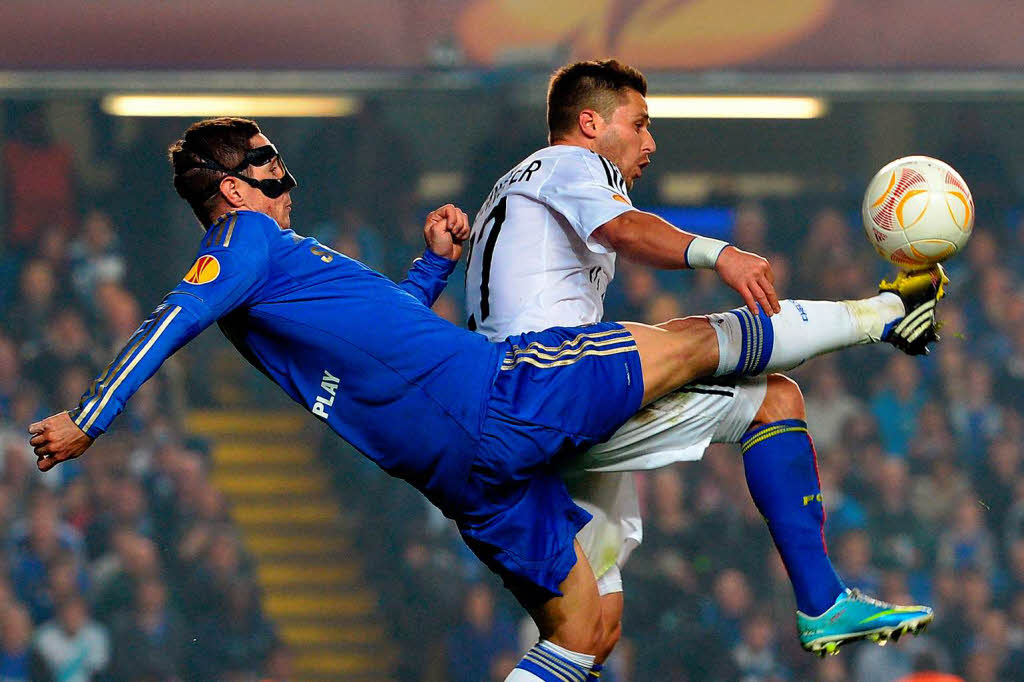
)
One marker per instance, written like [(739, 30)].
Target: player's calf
[(782, 474)]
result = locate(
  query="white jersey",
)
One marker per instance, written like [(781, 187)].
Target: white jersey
[(533, 262)]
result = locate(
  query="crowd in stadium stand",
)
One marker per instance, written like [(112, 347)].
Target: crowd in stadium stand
[(126, 560), (122, 565)]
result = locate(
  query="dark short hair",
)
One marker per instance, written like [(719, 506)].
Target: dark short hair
[(224, 140), (598, 85)]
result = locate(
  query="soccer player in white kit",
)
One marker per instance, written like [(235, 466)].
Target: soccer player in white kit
[(543, 250)]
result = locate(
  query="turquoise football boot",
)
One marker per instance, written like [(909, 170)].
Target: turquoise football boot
[(856, 616)]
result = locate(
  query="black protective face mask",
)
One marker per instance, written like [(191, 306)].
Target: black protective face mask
[(260, 156)]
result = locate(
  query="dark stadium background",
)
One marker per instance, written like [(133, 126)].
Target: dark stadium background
[(218, 533)]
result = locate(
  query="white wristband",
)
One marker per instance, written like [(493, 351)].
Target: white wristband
[(703, 252)]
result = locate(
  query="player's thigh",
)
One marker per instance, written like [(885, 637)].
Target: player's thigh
[(574, 619), (675, 428), (674, 354), (783, 400)]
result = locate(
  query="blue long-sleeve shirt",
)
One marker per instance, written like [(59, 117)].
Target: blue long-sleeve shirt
[(366, 355)]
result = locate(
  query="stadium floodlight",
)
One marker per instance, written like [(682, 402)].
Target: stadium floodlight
[(199, 105), (714, 106)]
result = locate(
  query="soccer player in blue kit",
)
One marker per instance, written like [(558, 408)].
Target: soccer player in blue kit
[(476, 426)]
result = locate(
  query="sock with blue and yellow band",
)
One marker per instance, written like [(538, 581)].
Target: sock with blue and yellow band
[(781, 468)]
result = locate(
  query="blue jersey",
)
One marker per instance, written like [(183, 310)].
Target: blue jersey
[(364, 354)]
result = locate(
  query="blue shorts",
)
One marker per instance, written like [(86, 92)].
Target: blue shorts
[(557, 392)]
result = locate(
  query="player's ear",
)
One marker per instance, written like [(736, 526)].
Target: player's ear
[(588, 121), (230, 189)]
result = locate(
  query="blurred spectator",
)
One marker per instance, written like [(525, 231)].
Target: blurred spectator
[(17, 480), (732, 603), (39, 546), (967, 543), (66, 344), (756, 657), (211, 574), (1010, 377), (853, 560), (828, 403), (18, 661), (996, 479), (634, 287), (10, 375), (478, 638), (36, 304), (38, 177), (125, 507), (750, 228), (73, 647), (897, 403), (119, 312), (234, 639), (828, 261), (976, 417), (95, 255), (899, 539), (149, 641), (932, 440), (936, 493), (137, 562)]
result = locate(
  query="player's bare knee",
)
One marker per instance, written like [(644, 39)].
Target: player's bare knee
[(783, 400)]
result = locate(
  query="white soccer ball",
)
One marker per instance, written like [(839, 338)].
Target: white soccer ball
[(917, 211)]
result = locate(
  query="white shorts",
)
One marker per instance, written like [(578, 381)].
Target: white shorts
[(675, 428)]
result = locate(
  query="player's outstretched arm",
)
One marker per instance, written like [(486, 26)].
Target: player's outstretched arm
[(650, 240), (57, 439), (227, 273), (444, 231)]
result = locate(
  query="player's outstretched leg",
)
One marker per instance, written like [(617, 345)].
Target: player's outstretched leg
[(781, 469), (739, 343), (903, 314)]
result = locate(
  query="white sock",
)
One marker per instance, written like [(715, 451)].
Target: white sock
[(749, 344), (548, 662)]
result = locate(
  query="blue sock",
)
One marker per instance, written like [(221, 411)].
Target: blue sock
[(782, 474), (549, 662), (595, 672)]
